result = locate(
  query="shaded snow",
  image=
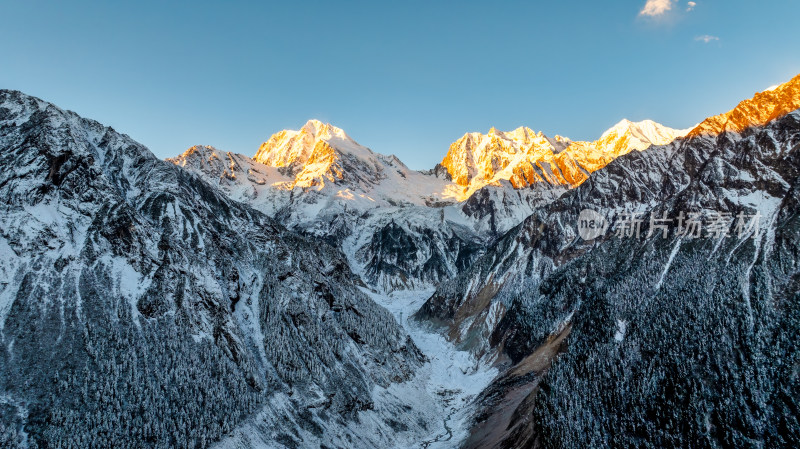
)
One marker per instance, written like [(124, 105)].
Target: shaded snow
[(432, 409), (450, 379)]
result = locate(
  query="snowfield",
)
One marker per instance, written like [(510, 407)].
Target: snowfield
[(447, 383)]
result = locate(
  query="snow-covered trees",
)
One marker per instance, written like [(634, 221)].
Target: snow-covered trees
[(148, 310)]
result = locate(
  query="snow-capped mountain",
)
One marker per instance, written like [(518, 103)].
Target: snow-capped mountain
[(403, 228), (627, 136), (139, 306), (395, 232), (672, 329), (320, 294), (526, 158), (320, 155)]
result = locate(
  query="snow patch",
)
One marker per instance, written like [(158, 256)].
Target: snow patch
[(622, 327), (669, 263)]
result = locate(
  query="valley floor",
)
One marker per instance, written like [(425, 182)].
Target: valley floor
[(448, 381), (429, 411)]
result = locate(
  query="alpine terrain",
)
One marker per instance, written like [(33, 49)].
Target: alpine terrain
[(639, 290)]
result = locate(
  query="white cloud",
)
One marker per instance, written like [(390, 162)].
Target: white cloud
[(690, 6), (655, 8), (706, 38)]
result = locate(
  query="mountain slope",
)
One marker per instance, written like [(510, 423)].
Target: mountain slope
[(393, 242), (141, 307), (688, 339)]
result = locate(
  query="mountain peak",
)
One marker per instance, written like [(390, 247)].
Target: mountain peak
[(524, 157), (201, 150), (627, 136), (323, 130), (480, 157), (315, 142), (318, 153), (620, 127), (771, 104)]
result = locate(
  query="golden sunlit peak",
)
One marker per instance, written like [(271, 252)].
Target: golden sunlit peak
[(524, 157), (314, 154), (322, 130), (198, 149), (315, 126), (764, 107)]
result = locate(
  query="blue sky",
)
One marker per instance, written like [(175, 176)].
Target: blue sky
[(404, 77)]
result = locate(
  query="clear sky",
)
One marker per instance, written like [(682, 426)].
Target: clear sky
[(402, 77)]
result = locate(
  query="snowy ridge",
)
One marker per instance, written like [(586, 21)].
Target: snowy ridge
[(240, 177), (772, 104), (526, 158)]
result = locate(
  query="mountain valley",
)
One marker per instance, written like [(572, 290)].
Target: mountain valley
[(320, 294)]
